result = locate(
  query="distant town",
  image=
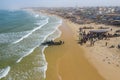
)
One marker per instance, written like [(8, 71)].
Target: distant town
[(86, 15)]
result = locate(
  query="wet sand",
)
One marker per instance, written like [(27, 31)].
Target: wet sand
[(67, 61)]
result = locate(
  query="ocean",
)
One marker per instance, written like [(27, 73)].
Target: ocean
[(21, 32)]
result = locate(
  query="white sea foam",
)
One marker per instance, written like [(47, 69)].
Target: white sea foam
[(37, 15), (53, 32), (45, 67), (58, 29), (4, 72), (25, 55), (27, 36), (34, 47), (31, 32), (11, 37)]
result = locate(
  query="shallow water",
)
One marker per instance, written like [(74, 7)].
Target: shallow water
[(20, 34)]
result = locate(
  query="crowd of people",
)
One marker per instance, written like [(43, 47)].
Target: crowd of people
[(51, 42), (91, 36)]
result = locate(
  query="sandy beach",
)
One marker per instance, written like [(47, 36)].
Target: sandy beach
[(72, 61), (106, 60), (60, 40), (67, 61)]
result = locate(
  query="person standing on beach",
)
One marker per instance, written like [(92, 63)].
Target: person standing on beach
[(91, 42), (106, 43)]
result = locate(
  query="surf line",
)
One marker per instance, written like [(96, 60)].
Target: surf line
[(31, 32)]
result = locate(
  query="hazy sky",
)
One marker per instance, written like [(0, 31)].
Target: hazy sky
[(14, 4)]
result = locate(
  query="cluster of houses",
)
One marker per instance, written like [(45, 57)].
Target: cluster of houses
[(105, 15)]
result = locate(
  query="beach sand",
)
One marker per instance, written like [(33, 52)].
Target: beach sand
[(106, 60), (67, 61)]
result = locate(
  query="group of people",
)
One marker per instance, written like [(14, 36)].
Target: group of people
[(118, 46), (91, 36), (51, 42)]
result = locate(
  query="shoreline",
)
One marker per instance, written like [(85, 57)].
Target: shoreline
[(101, 59), (45, 52), (56, 59)]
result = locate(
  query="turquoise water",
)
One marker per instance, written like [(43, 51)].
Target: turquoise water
[(20, 33)]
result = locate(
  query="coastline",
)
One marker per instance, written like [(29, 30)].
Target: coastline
[(71, 61), (67, 62), (102, 59), (54, 64)]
